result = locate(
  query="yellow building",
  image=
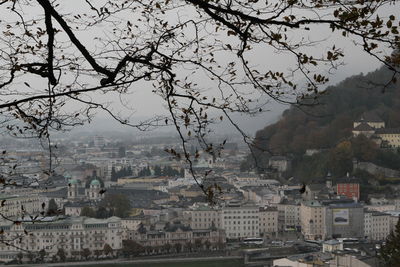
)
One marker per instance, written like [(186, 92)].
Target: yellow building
[(370, 125), (371, 119), (312, 220), (389, 136)]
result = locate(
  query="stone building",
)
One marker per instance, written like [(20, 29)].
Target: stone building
[(268, 221), (92, 193), (288, 215), (203, 217), (336, 218), (240, 221), (376, 225), (72, 234), (177, 233), (14, 206), (371, 126), (312, 219), (344, 219)]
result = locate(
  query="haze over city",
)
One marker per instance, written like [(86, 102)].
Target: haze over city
[(200, 133)]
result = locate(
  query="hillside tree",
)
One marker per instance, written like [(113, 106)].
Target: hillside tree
[(390, 252)]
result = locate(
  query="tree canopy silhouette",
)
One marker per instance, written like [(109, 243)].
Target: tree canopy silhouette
[(196, 55)]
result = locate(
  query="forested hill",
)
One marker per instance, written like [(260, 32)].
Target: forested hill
[(324, 125)]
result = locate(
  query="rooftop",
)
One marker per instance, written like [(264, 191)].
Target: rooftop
[(370, 117), (388, 131), (363, 127)]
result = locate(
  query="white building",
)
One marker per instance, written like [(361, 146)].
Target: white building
[(289, 215), (13, 206), (377, 225), (312, 220), (203, 217), (240, 221), (268, 221), (332, 245), (72, 234), (181, 182)]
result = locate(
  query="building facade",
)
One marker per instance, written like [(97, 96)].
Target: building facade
[(71, 234), (268, 221), (376, 225), (349, 188), (203, 217), (313, 220), (240, 221)]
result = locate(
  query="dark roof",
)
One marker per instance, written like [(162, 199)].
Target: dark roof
[(268, 209), (370, 117), (62, 193), (316, 187), (388, 131), (77, 204), (363, 127), (173, 227), (348, 180)]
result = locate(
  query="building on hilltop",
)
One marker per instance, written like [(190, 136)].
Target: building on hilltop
[(371, 119), (371, 126), (390, 137)]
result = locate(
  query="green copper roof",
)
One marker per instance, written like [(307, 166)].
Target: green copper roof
[(95, 182), (73, 181)]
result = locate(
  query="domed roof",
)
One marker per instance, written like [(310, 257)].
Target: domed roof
[(95, 182), (73, 181)]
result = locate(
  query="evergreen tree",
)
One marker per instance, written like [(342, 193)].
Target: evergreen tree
[(390, 252), (107, 249), (157, 171), (121, 152), (113, 174), (61, 254), (148, 171), (52, 209), (88, 212)]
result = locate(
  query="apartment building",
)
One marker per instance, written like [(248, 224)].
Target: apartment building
[(289, 215), (268, 221), (344, 218), (203, 217), (313, 219), (177, 233), (349, 187), (377, 225), (14, 206), (240, 221), (72, 234)]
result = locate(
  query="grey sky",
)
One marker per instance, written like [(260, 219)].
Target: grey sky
[(141, 103)]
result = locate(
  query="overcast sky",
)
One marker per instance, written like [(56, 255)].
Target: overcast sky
[(142, 103)]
